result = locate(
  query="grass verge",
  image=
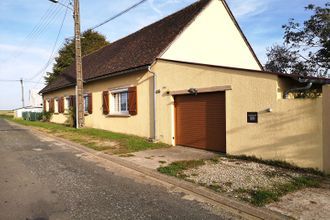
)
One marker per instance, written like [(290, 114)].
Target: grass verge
[(101, 140), (275, 163), (260, 197), (257, 196), (176, 168)]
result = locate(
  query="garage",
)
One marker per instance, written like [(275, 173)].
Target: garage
[(200, 120)]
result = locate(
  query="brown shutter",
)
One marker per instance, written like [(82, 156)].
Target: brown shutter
[(90, 103), (44, 105), (132, 101), (51, 105), (61, 103), (105, 98)]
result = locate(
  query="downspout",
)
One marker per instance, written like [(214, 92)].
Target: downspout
[(307, 87), (154, 102)]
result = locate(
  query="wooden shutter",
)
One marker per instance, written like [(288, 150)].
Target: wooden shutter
[(105, 98), (45, 105), (132, 101), (51, 105), (90, 103), (61, 105)]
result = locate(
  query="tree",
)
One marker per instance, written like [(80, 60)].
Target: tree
[(90, 42), (306, 47)]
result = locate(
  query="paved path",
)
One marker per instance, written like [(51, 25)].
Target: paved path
[(45, 179)]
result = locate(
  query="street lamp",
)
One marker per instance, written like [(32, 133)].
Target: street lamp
[(79, 75)]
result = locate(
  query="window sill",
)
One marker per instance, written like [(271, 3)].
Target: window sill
[(119, 115)]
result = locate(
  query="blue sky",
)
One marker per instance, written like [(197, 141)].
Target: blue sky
[(23, 55)]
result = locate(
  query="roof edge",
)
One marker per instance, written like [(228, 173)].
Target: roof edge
[(139, 68)]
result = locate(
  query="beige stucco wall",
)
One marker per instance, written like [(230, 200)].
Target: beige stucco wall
[(208, 36), (294, 131), (139, 124), (326, 128), (291, 132)]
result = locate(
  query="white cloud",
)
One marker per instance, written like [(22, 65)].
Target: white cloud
[(248, 8), (10, 52)]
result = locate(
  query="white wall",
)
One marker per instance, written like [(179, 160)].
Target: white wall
[(212, 39)]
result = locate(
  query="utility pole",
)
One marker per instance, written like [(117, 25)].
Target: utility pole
[(79, 75), (22, 87)]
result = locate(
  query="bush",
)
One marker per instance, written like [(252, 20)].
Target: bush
[(46, 116), (71, 117)]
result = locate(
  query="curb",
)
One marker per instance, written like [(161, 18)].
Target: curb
[(242, 209)]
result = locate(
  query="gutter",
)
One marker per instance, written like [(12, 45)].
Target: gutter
[(154, 138), (98, 78)]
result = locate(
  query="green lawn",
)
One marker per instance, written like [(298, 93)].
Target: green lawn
[(102, 140)]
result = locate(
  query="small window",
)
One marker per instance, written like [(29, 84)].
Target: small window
[(119, 102), (66, 104), (86, 103), (56, 105)]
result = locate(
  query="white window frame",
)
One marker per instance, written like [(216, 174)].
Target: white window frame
[(66, 104), (113, 100), (56, 100), (86, 106)]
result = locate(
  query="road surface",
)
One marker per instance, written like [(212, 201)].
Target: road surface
[(42, 178)]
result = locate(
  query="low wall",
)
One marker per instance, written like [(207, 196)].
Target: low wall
[(292, 132), (326, 128)]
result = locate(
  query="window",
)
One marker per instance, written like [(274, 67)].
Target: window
[(86, 103), (66, 104), (119, 102), (56, 100)]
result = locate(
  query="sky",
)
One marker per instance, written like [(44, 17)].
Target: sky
[(30, 33)]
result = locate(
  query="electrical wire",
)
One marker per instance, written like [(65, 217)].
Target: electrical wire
[(117, 15), (18, 80), (51, 57), (49, 16)]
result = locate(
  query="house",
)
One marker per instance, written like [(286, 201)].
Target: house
[(192, 79)]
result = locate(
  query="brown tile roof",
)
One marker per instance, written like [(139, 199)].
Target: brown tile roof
[(137, 50)]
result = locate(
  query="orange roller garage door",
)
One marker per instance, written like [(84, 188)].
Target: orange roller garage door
[(200, 121)]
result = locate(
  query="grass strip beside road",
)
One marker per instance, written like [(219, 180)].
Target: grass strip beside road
[(101, 140), (259, 196)]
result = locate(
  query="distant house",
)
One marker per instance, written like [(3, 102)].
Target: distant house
[(192, 79), (35, 104)]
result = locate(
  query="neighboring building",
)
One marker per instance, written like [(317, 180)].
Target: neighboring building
[(35, 104), (18, 113), (192, 79), (35, 99)]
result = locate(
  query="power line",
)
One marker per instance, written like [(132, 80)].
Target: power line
[(51, 57), (18, 80), (117, 15), (96, 26), (37, 31)]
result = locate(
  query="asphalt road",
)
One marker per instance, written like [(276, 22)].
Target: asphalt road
[(44, 179)]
